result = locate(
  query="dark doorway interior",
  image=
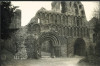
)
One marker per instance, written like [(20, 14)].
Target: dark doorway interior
[(79, 47)]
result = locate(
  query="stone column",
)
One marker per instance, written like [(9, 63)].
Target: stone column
[(73, 31), (55, 19), (79, 21), (75, 21), (76, 31), (79, 32), (72, 20), (64, 20), (67, 31), (67, 20), (61, 19), (52, 52), (86, 32), (49, 18)]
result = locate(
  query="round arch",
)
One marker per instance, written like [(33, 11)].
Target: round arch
[(79, 47), (55, 43)]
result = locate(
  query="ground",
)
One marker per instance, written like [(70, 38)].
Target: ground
[(47, 61)]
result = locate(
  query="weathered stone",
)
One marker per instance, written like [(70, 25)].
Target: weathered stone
[(64, 27)]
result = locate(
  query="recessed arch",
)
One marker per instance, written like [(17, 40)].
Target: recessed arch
[(53, 37)]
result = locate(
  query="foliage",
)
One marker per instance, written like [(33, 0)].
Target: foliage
[(96, 14), (97, 28), (7, 12)]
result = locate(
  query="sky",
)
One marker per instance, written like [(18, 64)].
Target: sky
[(29, 9)]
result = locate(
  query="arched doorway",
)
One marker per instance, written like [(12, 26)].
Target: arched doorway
[(80, 47), (46, 48), (49, 42)]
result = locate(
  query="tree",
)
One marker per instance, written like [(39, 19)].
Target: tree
[(7, 12), (96, 14)]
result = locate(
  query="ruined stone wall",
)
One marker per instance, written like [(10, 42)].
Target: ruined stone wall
[(68, 28), (16, 20), (70, 7)]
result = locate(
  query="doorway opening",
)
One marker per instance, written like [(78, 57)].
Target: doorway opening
[(79, 47), (46, 48), (49, 45)]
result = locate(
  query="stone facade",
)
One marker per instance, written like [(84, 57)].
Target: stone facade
[(64, 25), (62, 31)]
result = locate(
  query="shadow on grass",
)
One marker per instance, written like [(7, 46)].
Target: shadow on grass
[(91, 60)]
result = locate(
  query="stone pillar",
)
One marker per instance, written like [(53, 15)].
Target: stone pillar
[(79, 21), (81, 32), (67, 20), (61, 20), (75, 21), (64, 20), (76, 32), (52, 52), (49, 18), (66, 31), (62, 31), (73, 31), (69, 31), (57, 51), (72, 21), (84, 32), (55, 19), (39, 51)]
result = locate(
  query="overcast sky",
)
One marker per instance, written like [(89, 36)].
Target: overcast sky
[(29, 9)]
